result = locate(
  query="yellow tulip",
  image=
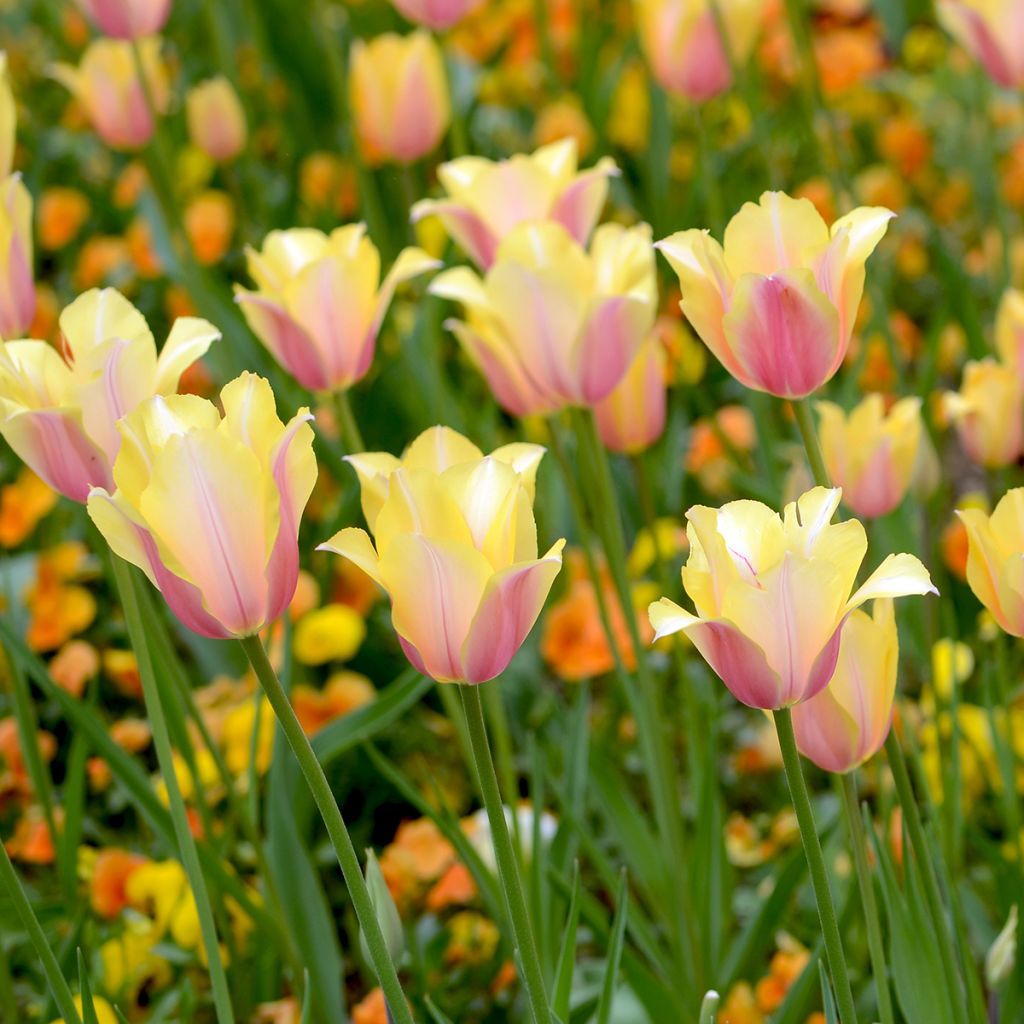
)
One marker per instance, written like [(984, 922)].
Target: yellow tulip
[(209, 507), (59, 413), (773, 593), (1010, 330), (17, 286), (455, 546), (216, 119), (988, 412), (104, 1011), (776, 304), (486, 199), (552, 325)]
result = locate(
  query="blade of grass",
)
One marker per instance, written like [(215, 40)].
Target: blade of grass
[(611, 971)]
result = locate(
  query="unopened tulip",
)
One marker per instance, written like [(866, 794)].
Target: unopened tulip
[(400, 101), (988, 412), (992, 31), (127, 19), (487, 199), (872, 454), (632, 417), (1010, 330), (455, 546), (320, 301), (435, 14), (216, 120), (107, 85), (8, 119), (777, 303), (551, 325), (847, 722), (684, 46), (17, 287), (59, 412), (209, 507), (773, 593), (995, 555)]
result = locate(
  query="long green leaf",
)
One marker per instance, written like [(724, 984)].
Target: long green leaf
[(562, 990), (618, 936)]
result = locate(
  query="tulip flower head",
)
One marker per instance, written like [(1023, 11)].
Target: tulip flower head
[(988, 412), (995, 554), (320, 302), (436, 14), (59, 412), (488, 199), (872, 454), (847, 723), (216, 119), (992, 31), (552, 325), (209, 506), (455, 546), (776, 303), (632, 417), (107, 85), (17, 286), (773, 593), (1010, 330), (127, 19), (400, 101)]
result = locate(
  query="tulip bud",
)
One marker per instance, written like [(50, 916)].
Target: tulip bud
[(772, 594), (435, 14), (988, 412), (455, 547), (1010, 330), (384, 910), (1001, 957), (776, 304), (216, 120), (632, 417), (107, 85), (320, 301), (846, 723), (17, 287), (993, 34), (127, 19), (400, 99)]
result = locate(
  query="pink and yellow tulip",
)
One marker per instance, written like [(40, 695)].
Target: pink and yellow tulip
[(216, 119), (552, 325), (846, 723), (487, 199), (992, 31), (776, 303), (59, 413), (988, 412), (127, 19), (455, 546), (320, 302), (209, 506), (632, 417), (435, 14), (773, 593), (17, 286)]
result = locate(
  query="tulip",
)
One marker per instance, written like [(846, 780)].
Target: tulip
[(776, 305), (435, 14), (216, 119), (400, 102), (455, 547), (209, 507), (872, 454), (8, 119), (127, 19), (632, 417), (847, 722), (988, 411), (992, 31), (551, 325), (995, 554), (107, 85), (683, 43), (317, 306), (772, 593), (17, 287), (487, 199), (59, 412), (1010, 330)]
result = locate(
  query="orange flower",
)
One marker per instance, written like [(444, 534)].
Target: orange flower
[(283, 1011), (210, 225), (344, 692), (74, 665), (848, 55), (351, 586), (141, 251), (372, 1010), (417, 858), (328, 182), (456, 888), (22, 504), (32, 842), (101, 259), (740, 1007), (57, 610), (131, 734), (714, 445), (14, 779), (123, 670), (110, 873), (904, 142), (60, 215)]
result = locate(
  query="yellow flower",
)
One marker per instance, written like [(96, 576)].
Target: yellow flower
[(988, 412), (236, 737), (332, 633), (104, 1011), (216, 119)]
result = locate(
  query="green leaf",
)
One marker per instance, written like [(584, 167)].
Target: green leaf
[(88, 1008), (562, 990), (611, 971), (435, 1014), (828, 1000)]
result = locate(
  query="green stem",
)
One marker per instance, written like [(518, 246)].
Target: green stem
[(508, 866), (858, 842), (816, 866), (131, 603), (713, 205), (816, 461), (57, 982), (320, 789), (351, 436)]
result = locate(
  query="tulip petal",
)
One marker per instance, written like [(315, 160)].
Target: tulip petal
[(609, 342), (100, 315), (524, 458), (826, 733), (411, 262), (580, 205), (356, 546), (775, 234), (438, 448), (189, 340), (465, 228), (897, 576)]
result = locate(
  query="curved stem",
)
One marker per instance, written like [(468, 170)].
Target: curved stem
[(508, 866), (320, 789), (351, 436), (809, 435), (816, 866)]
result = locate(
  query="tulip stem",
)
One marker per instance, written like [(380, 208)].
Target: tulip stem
[(816, 461), (858, 842), (351, 436), (320, 789), (816, 866), (508, 866), (131, 603), (57, 982)]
